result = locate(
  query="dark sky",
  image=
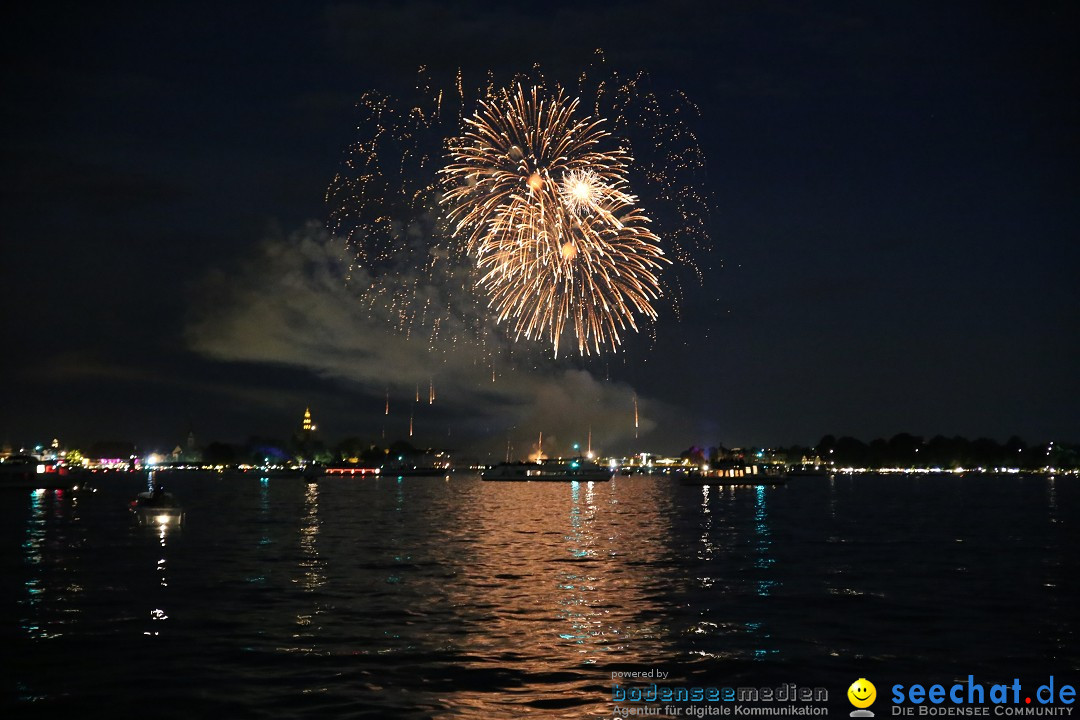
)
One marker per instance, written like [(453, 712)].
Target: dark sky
[(894, 222)]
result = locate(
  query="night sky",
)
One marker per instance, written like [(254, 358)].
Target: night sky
[(894, 222)]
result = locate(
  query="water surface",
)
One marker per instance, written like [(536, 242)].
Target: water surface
[(435, 597)]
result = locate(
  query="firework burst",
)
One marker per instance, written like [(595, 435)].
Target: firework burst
[(480, 250), (548, 217), (583, 191)]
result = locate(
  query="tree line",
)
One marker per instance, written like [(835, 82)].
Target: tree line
[(302, 446), (905, 450)]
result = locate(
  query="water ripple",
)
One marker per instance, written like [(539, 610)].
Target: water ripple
[(464, 599)]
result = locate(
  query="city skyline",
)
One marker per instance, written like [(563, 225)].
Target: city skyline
[(891, 225), (899, 450)]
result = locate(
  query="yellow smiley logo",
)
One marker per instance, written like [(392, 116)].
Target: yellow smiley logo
[(862, 693)]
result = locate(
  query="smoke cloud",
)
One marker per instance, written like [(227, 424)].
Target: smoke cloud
[(298, 302)]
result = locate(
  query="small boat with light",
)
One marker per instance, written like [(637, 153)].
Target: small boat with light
[(156, 508), (555, 470)]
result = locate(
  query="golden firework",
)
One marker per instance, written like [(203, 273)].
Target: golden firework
[(548, 218)]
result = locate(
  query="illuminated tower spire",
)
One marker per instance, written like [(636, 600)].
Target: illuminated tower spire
[(308, 426)]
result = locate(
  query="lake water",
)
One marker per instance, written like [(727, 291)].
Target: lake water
[(433, 597)]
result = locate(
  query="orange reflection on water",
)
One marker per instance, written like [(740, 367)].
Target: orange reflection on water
[(565, 574)]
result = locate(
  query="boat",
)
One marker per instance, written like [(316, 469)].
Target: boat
[(351, 470), (26, 472), (555, 470), (157, 508)]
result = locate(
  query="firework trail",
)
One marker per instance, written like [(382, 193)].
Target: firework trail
[(550, 222), (635, 417)]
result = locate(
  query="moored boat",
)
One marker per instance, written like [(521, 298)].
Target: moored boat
[(26, 472), (156, 508)]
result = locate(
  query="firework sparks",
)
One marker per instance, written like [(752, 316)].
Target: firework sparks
[(547, 215), (582, 191), (383, 202), (530, 230)]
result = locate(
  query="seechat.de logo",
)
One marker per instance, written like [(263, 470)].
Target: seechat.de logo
[(862, 695)]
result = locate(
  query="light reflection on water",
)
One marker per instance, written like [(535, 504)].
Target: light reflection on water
[(763, 561), (35, 540), (577, 586), (427, 597), (158, 597), (310, 564), (51, 546)]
